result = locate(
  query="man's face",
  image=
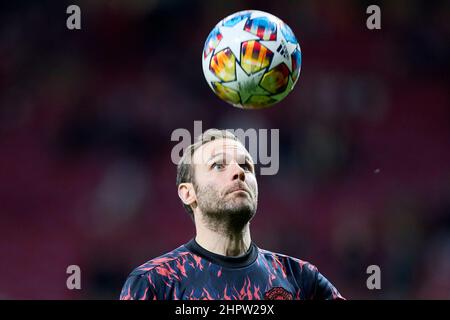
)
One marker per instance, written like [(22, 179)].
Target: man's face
[(225, 182)]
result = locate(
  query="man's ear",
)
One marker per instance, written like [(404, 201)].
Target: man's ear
[(186, 193)]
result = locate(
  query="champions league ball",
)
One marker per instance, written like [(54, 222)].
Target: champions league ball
[(251, 59)]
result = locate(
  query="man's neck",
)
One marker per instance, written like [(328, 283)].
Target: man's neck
[(224, 243)]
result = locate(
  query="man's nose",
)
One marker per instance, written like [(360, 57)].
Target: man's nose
[(238, 171)]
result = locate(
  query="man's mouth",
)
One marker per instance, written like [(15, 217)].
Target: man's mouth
[(239, 189)]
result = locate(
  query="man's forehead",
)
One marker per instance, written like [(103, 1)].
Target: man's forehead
[(220, 146)]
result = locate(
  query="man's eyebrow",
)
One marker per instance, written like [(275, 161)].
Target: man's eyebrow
[(249, 159), (246, 157), (214, 156)]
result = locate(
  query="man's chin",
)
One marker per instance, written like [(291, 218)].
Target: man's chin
[(235, 215), (243, 209)]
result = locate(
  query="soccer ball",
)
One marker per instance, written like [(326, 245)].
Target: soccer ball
[(251, 59)]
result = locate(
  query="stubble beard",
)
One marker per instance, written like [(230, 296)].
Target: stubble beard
[(224, 213)]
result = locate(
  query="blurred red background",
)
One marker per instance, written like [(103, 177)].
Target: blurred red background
[(86, 118)]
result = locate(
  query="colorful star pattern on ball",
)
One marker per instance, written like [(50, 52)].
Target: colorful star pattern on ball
[(251, 59)]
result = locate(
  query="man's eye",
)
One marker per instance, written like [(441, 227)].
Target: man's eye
[(218, 166)]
